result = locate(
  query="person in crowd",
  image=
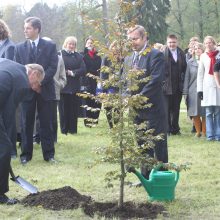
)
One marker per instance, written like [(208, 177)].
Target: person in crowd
[(153, 63), (189, 53), (216, 73), (93, 64), (40, 51), (175, 72), (60, 82), (111, 113), (15, 81), (194, 109), (208, 90), (190, 50), (7, 48), (69, 101)]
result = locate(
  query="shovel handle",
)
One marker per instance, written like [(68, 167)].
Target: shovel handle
[(13, 177)]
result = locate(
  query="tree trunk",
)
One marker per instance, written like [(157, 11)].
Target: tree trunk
[(200, 19), (217, 16), (180, 20), (122, 178), (105, 20), (121, 121)]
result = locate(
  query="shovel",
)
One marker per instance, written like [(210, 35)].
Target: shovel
[(23, 183)]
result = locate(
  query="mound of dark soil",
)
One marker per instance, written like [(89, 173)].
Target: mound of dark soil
[(128, 211), (57, 199), (69, 198)]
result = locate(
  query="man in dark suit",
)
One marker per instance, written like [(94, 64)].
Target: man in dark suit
[(37, 50), (7, 48), (15, 81), (152, 61), (175, 74)]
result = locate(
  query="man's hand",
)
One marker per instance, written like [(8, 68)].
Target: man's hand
[(70, 73), (200, 94)]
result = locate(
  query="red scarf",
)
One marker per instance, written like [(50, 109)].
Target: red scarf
[(92, 53), (212, 55)]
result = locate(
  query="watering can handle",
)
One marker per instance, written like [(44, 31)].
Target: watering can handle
[(157, 167), (177, 177)]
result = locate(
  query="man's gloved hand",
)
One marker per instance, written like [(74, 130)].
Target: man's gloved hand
[(200, 94)]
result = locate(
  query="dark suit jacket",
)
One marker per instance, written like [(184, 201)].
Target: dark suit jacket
[(47, 57), (14, 86), (181, 69), (153, 64), (7, 50), (92, 66)]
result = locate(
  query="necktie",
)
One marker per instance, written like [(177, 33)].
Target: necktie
[(34, 49), (136, 60)]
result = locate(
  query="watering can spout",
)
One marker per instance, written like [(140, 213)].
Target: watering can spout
[(146, 183)]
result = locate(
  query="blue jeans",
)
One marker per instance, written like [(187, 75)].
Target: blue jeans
[(213, 123)]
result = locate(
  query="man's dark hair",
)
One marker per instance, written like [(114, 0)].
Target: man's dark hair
[(35, 22), (172, 36)]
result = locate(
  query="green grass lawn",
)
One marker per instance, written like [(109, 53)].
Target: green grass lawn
[(197, 192)]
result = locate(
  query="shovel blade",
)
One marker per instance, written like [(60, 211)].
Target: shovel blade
[(25, 185)]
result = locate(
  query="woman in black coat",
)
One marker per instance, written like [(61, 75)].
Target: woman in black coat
[(69, 101), (93, 64)]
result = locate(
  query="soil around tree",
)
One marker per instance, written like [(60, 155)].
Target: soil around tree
[(69, 198)]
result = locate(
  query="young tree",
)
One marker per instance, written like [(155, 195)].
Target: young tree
[(123, 149)]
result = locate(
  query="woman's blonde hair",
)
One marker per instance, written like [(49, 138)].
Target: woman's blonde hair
[(212, 39), (69, 39), (200, 46)]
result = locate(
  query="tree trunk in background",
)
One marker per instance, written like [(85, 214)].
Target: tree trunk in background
[(201, 31), (180, 20), (81, 7), (105, 20), (217, 16)]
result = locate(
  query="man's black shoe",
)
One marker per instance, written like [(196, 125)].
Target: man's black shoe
[(5, 200), (51, 160)]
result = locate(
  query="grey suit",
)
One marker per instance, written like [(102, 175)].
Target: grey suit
[(13, 87), (190, 89)]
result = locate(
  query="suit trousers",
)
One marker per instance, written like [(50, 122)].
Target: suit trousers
[(173, 105), (68, 111), (54, 122), (44, 109), (5, 157), (159, 151)]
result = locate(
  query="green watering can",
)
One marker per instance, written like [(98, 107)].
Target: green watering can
[(161, 184)]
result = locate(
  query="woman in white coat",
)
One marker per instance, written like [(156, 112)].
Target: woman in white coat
[(207, 89)]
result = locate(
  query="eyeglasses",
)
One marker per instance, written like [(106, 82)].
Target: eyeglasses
[(134, 39)]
